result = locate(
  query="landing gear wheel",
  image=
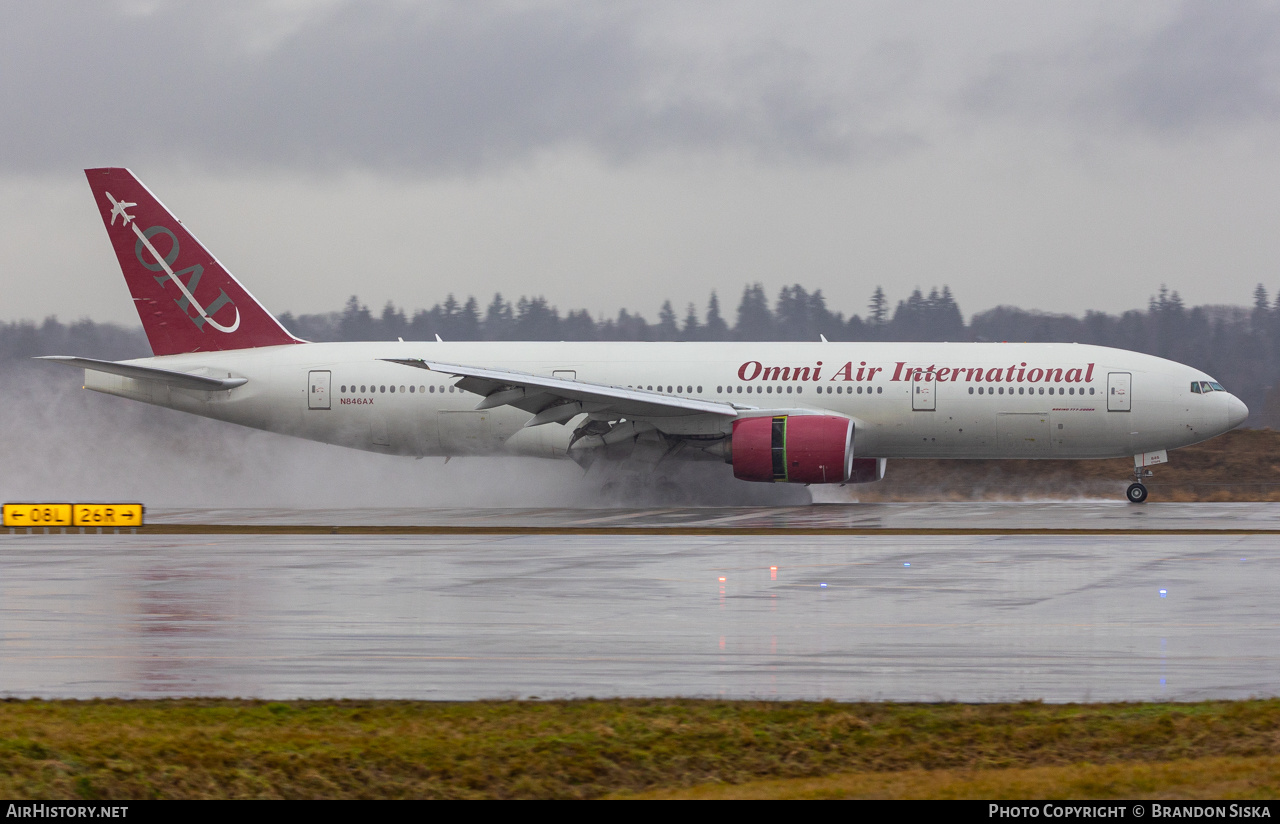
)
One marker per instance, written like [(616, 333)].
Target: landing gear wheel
[(1136, 493)]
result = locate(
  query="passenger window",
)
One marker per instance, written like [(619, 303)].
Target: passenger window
[(739, 390), (879, 390), (393, 390), (1090, 390), (699, 390), (431, 389), (788, 390), (362, 388)]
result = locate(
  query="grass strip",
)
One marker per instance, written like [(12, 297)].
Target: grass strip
[(575, 749)]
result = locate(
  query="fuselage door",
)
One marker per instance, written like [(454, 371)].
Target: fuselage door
[(1118, 396), (922, 393), (318, 389)]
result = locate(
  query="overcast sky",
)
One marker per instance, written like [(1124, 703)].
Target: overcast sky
[(1061, 156)]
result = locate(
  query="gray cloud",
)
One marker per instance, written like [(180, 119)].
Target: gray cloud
[(414, 88), (1211, 65)]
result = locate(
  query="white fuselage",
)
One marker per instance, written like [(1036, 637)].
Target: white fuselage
[(935, 400)]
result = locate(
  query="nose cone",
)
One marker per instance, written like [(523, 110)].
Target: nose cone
[(1236, 411)]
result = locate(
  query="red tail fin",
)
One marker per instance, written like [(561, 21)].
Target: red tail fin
[(187, 301)]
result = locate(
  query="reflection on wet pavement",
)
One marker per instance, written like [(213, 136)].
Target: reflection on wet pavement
[(934, 617)]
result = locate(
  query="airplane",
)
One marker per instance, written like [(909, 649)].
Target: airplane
[(798, 413)]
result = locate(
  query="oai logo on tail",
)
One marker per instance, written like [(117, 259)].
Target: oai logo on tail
[(164, 263)]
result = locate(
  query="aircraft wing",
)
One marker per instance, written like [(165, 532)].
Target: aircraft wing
[(555, 400), (181, 380)]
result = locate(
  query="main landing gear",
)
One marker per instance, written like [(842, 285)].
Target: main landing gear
[(1137, 491)]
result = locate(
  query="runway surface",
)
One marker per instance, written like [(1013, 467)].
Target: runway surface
[(973, 517), (901, 617)]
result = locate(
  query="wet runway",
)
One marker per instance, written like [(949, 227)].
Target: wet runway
[(901, 617), (1095, 515)]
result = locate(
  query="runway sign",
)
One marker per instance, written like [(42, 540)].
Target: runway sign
[(46, 515), (113, 515), (37, 514)]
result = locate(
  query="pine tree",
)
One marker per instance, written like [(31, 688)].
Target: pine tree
[(356, 322), (667, 328), (498, 319), (878, 309), (715, 328), (692, 329), (755, 321), (469, 320)]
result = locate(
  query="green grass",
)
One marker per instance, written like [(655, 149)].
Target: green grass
[(573, 749)]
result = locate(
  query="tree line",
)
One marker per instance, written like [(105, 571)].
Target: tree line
[(796, 314), (1238, 345)]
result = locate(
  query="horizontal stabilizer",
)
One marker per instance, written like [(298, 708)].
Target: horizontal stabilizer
[(181, 380)]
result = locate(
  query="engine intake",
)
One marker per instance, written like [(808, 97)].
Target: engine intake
[(799, 449)]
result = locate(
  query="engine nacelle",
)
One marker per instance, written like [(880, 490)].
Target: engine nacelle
[(799, 449)]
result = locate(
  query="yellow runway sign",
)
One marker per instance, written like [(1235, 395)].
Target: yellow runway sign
[(46, 515), (37, 514), (113, 515)]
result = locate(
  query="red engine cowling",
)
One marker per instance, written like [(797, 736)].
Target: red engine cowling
[(798, 449)]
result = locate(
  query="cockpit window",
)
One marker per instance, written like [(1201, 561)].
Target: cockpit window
[(1206, 387), (1195, 387), (1217, 387)]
